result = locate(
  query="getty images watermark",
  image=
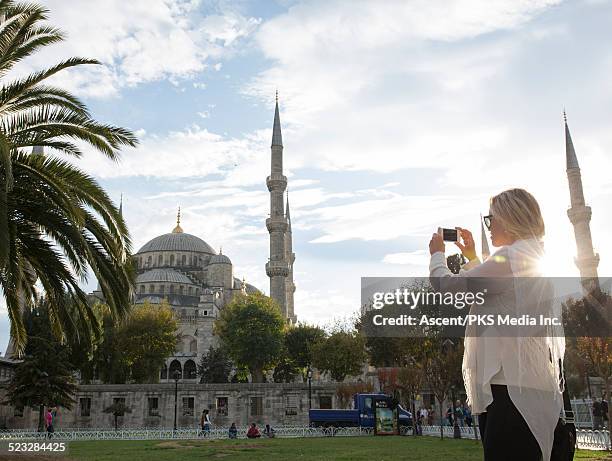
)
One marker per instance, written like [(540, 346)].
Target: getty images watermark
[(421, 307)]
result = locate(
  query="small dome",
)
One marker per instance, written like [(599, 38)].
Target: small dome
[(163, 275), (177, 241), (220, 259)]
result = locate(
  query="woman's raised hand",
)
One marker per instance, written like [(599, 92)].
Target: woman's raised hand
[(468, 247), (436, 244)]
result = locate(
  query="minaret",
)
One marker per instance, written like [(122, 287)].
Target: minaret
[(484, 243), (277, 267), (580, 216), (290, 258)]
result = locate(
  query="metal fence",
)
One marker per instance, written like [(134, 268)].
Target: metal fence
[(586, 439)]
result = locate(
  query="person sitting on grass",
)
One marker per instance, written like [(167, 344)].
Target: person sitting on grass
[(253, 432), (233, 431), (268, 431)]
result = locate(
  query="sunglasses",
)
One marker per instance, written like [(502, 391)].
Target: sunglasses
[(487, 221)]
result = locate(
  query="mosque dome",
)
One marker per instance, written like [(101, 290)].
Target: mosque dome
[(220, 259), (177, 240)]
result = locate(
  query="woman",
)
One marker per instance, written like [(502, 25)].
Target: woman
[(511, 380), (205, 423)]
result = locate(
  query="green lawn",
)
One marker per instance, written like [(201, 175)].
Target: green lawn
[(333, 448)]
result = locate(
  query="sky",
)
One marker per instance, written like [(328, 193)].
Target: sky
[(397, 117)]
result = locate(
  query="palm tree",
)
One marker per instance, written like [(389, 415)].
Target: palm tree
[(56, 222)]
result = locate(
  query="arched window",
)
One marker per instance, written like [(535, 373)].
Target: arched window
[(181, 290), (189, 372), (193, 346), (183, 260), (175, 366), (142, 289), (164, 372), (190, 291), (162, 289), (151, 288), (160, 260), (171, 289), (149, 261), (172, 260)]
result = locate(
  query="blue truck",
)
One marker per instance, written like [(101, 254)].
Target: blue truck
[(362, 415)]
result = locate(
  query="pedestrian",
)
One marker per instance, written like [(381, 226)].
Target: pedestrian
[(253, 432), (459, 413), (269, 432), (205, 423), (449, 415), (49, 423), (233, 431), (597, 415), (468, 416)]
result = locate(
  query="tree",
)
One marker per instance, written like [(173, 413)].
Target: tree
[(443, 370), (587, 328), (56, 222), (342, 354), (45, 377), (251, 329), (299, 342), (215, 366), (286, 370), (136, 348), (118, 408)]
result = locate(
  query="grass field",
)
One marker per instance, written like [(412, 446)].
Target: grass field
[(336, 448)]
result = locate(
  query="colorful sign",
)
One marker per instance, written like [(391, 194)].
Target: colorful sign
[(385, 419)]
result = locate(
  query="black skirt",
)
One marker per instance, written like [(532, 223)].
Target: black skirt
[(504, 432)]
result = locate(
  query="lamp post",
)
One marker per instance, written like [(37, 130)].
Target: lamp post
[(309, 374), (176, 376)]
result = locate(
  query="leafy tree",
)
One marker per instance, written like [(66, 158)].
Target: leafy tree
[(56, 222), (342, 354), (443, 369), (45, 377), (286, 369), (251, 328), (299, 341), (135, 349), (118, 408), (215, 366)]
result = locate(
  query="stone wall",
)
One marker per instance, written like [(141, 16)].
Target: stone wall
[(270, 403)]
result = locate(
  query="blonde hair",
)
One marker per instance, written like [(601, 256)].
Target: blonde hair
[(519, 213)]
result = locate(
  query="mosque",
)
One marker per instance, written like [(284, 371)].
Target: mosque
[(197, 282)]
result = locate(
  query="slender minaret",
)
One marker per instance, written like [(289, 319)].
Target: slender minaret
[(277, 267), (290, 258), (484, 243), (580, 215)]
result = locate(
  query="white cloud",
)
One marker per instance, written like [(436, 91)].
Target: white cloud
[(139, 41), (414, 258)]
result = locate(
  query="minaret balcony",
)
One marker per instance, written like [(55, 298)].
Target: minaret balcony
[(579, 214), (276, 181), (277, 268), (276, 224)]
